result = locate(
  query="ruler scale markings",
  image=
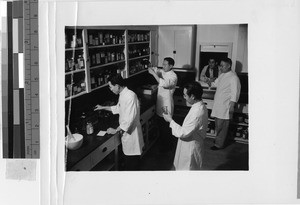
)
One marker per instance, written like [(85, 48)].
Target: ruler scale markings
[(31, 90)]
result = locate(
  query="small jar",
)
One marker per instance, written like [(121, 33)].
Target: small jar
[(89, 128)]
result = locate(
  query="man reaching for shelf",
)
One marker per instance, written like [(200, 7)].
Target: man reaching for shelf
[(167, 80)]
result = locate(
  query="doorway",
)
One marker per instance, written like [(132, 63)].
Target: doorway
[(213, 50)]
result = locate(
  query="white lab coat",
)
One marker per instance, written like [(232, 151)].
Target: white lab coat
[(166, 89), (191, 134), (228, 89), (129, 119)]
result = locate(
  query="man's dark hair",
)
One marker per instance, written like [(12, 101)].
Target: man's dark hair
[(117, 80), (170, 61), (227, 60), (194, 88)]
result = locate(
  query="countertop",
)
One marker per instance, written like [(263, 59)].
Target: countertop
[(91, 142)]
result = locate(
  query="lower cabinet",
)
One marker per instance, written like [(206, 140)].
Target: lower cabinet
[(106, 156), (149, 128), (102, 158)]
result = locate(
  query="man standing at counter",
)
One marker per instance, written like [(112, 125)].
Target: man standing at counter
[(227, 94), (130, 129), (189, 151), (167, 80), (210, 72)]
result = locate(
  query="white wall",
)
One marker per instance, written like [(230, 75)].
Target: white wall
[(241, 64)]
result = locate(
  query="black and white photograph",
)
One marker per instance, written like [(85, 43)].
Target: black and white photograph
[(149, 102), (163, 97)]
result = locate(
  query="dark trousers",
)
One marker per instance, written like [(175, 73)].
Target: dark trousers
[(131, 163), (222, 126), (166, 140)]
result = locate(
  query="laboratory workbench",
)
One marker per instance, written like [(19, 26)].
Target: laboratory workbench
[(96, 148)]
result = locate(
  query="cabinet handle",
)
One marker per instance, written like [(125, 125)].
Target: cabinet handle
[(104, 149), (174, 52)]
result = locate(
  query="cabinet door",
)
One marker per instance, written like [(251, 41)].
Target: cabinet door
[(182, 48), (154, 47), (165, 44), (175, 42)]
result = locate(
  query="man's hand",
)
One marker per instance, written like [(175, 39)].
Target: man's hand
[(98, 107), (151, 71), (111, 131), (167, 117)]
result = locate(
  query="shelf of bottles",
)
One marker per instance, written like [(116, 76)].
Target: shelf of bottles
[(75, 85), (136, 66), (106, 47), (75, 77), (99, 77), (138, 50), (238, 127)]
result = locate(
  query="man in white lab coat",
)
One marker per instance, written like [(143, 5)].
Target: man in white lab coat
[(227, 94), (189, 151), (167, 80), (130, 129)]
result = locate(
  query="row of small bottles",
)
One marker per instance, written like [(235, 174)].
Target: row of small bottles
[(97, 39), (241, 132), (99, 79), (136, 67), (106, 57), (73, 42), (138, 37), (72, 64), (77, 88), (135, 52)]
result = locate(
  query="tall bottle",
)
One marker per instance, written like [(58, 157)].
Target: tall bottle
[(80, 62)]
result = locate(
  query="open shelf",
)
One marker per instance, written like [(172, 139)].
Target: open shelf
[(209, 135), (100, 87), (142, 71), (144, 56), (86, 45), (241, 140), (240, 123), (75, 71), (138, 42), (74, 96), (107, 64), (106, 46), (74, 49)]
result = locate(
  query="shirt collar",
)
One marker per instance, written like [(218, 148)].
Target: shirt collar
[(124, 91), (197, 103)]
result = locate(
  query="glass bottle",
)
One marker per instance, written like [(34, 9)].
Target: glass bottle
[(89, 128), (80, 62)]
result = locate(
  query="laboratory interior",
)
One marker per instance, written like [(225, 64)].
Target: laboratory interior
[(94, 138)]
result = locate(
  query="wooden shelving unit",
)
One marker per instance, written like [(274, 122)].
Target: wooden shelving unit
[(105, 50)]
